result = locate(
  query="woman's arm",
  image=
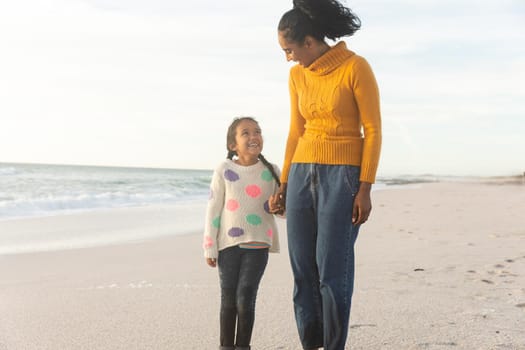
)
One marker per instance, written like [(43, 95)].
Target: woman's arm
[(362, 204), (366, 93), (296, 128)]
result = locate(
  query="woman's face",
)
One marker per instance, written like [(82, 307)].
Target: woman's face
[(300, 53)]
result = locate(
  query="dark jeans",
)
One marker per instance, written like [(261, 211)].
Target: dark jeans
[(240, 272), (321, 240)]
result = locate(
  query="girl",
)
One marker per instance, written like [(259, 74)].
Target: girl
[(240, 230), (330, 163)]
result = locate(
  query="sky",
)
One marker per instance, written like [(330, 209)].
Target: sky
[(155, 83)]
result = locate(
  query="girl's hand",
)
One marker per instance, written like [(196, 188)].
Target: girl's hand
[(277, 201), (212, 262), (362, 204), (274, 203)]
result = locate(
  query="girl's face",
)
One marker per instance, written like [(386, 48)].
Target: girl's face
[(302, 54), (248, 142)]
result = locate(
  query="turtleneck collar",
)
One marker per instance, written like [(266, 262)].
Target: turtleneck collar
[(330, 60)]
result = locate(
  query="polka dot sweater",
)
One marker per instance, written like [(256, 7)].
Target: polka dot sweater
[(238, 209)]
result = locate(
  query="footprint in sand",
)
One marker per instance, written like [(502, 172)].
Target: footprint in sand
[(362, 325), (426, 345)]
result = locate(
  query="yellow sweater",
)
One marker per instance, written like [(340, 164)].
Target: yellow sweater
[(335, 114)]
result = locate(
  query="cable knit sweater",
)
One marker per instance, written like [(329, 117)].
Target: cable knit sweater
[(335, 113), (238, 209)]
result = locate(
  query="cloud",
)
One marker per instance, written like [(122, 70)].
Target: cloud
[(138, 82)]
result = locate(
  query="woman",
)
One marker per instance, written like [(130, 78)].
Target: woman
[(330, 164)]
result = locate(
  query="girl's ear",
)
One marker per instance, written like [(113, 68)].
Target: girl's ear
[(232, 147)]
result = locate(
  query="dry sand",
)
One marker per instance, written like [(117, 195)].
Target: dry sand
[(439, 266)]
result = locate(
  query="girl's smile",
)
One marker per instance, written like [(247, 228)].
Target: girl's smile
[(248, 142)]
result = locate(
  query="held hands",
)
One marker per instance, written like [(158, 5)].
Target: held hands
[(277, 202), (362, 204), (360, 213)]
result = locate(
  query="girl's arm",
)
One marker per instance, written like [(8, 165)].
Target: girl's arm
[(213, 218), (277, 201)]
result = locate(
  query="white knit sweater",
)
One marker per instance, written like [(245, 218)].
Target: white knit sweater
[(238, 208)]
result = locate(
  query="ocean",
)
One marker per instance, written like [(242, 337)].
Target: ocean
[(168, 202), (32, 190)]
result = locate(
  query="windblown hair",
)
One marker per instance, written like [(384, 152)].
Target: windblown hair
[(319, 19), (230, 139)]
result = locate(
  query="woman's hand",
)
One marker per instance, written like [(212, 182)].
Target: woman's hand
[(277, 202), (212, 262), (362, 204)]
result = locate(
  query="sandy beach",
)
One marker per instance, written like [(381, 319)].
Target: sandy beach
[(439, 266)]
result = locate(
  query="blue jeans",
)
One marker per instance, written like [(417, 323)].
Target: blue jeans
[(240, 272), (321, 238)]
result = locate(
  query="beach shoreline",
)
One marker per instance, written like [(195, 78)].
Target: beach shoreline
[(438, 266), (100, 227)]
